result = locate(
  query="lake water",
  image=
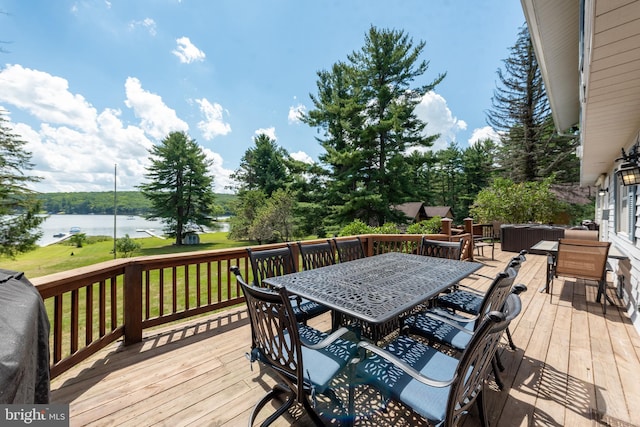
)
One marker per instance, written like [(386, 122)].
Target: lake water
[(100, 225)]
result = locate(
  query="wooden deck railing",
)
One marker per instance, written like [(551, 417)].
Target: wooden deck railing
[(93, 306)]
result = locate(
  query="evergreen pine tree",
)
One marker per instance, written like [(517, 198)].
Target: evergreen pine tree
[(366, 108), (19, 207), (180, 186), (520, 112)]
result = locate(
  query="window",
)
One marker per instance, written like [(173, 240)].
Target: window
[(622, 209), (625, 210)]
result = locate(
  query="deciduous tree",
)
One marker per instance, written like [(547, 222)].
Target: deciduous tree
[(516, 203), (274, 220)]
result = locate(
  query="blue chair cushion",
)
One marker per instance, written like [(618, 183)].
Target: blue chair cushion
[(439, 331), (461, 300), (320, 366), (306, 308), (430, 402)]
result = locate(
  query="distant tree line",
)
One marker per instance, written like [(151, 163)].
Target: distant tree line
[(101, 203)]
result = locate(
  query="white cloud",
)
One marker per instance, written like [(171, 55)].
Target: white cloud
[(222, 176), (75, 148), (157, 119), (46, 97), (213, 125), (301, 156), (72, 160), (81, 155), (270, 132), (434, 110), (480, 134), (187, 52), (295, 112), (147, 23)]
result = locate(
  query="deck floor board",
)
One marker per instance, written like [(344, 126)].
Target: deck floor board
[(572, 366)]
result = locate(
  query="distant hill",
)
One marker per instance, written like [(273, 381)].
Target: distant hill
[(128, 203)]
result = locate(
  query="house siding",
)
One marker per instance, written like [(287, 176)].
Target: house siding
[(624, 271)]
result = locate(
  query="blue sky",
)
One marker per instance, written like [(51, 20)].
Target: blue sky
[(94, 83)]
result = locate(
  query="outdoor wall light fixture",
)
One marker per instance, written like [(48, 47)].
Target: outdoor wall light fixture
[(629, 170), (603, 192)]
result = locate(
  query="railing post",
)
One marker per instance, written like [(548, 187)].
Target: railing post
[(468, 225), (295, 251), (367, 243), (132, 304), (468, 228), (446, 226)]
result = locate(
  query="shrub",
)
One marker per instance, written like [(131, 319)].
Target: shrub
[(387, 228), (428, 226), (354, 228), (127, 246), (515, 203)]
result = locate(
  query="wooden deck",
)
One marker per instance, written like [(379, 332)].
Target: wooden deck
[(573, 367)]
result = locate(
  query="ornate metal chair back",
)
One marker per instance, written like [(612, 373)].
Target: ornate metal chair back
[(270, 263), (349, 250), (474, 367), (498, 291), (317, 255), (441, 249), (274, 333)]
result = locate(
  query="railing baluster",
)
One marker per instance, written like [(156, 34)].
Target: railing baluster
[(88, 315), (103, 308), (186, 287), (74, 321), (161, 285), (174, 283), (219, 282), (114, 303), (209, 282), (147, 294), (198, 289), (57, 328)]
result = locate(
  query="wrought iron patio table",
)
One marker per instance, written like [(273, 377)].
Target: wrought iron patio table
[(379, 288)]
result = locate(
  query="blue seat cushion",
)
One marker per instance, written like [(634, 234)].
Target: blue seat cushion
[(430, 402), (304, 308), (461, 300), (439, 331), (320, 366)]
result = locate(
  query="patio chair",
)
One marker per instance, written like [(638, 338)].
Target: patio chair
[(512, 309), (469, 300), (486, 238), (441, 249), (304, 359), (455, 332), (437, 386), (317, 255), (277, 262), (349, 250), (582, 259)]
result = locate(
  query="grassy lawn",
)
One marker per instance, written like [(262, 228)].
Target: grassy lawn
[(65, 256)]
